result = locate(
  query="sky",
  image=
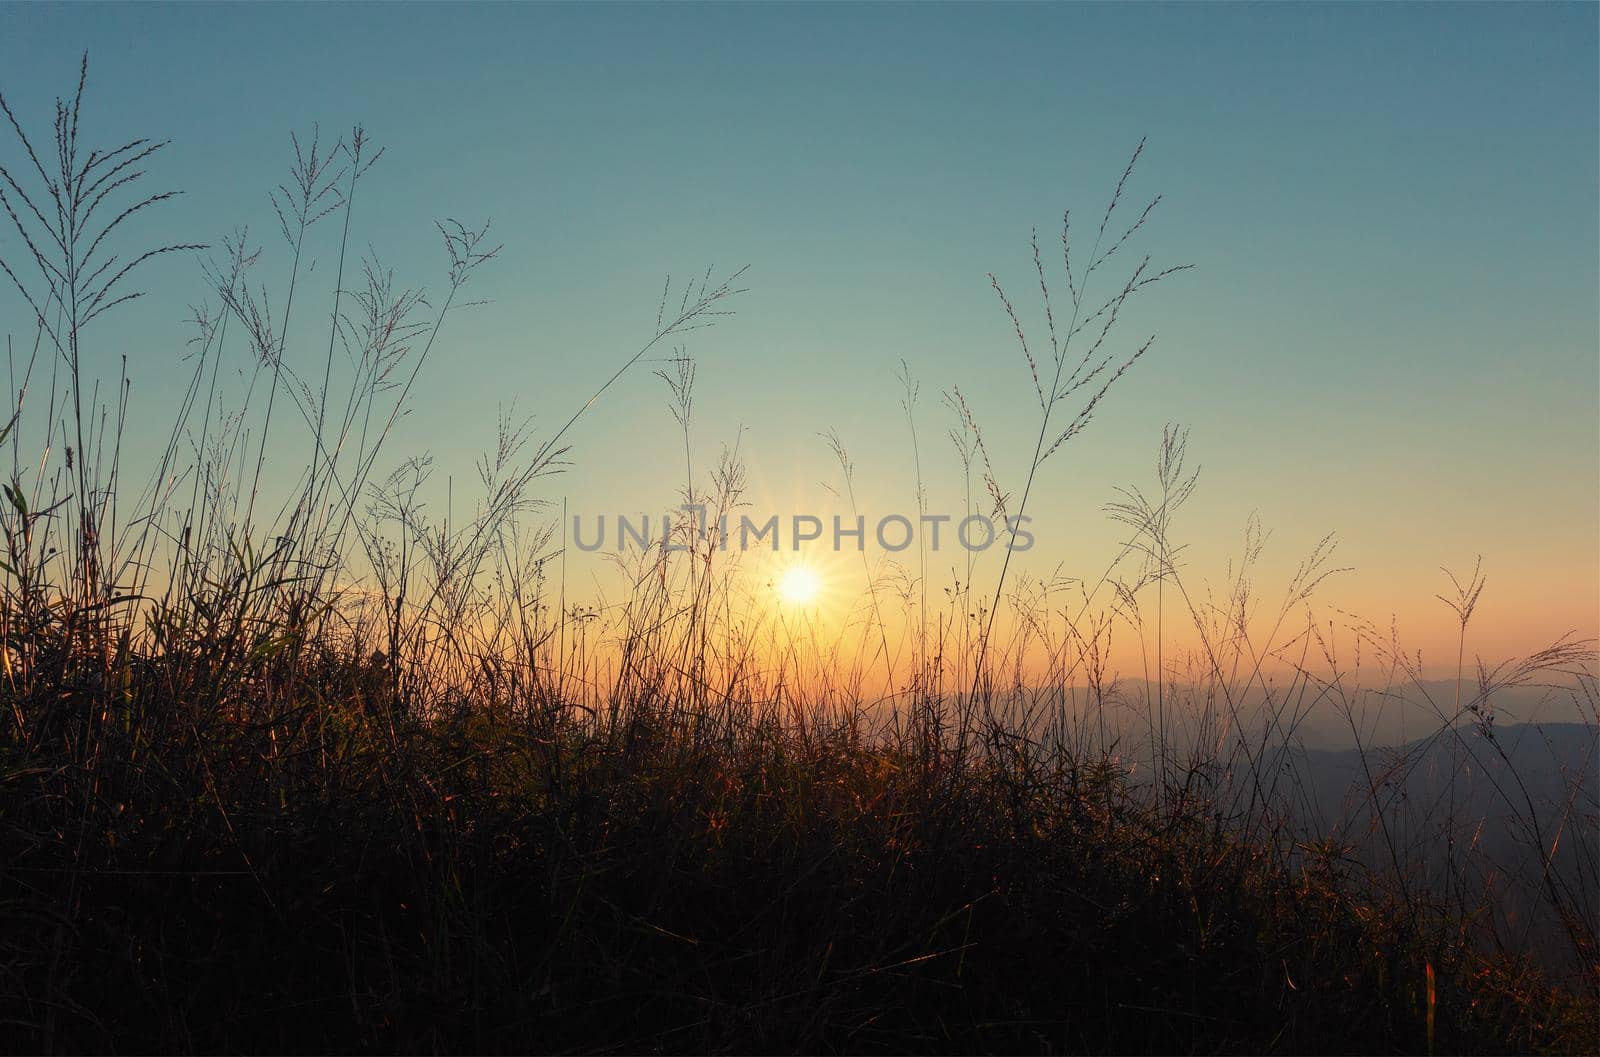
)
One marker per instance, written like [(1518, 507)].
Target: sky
[(1389, 332)]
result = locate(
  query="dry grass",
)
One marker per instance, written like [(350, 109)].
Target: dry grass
[(307, 770)]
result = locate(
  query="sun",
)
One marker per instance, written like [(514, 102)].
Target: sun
[(798, 586)]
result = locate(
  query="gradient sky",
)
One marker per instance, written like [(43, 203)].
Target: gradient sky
[(1390, 332)]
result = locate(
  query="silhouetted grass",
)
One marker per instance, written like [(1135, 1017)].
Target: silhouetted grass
[(340, 777)]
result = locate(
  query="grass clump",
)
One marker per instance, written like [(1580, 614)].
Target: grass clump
[(315, 881)]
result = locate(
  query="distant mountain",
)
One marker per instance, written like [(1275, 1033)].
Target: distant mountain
[(1498, 805), (1275, 710), (1490, 808)]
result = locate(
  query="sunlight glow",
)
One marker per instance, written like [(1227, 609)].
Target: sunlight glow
[(798, 586)]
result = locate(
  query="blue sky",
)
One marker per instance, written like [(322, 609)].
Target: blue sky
[(1390, 331)]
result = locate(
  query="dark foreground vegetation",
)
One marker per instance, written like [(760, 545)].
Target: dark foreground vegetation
[(287, 766), (318, 875)]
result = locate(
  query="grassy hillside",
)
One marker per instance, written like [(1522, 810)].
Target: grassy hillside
[(322, 876)]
